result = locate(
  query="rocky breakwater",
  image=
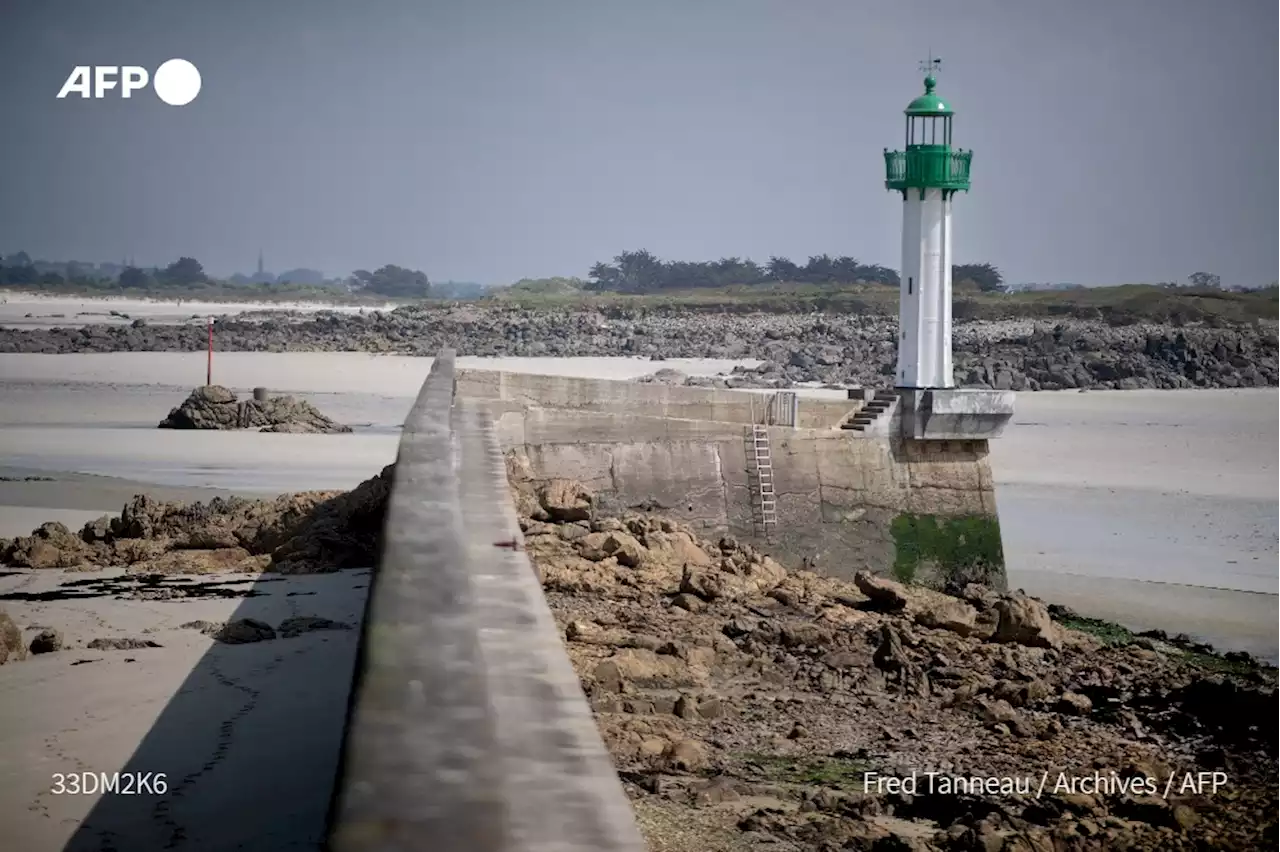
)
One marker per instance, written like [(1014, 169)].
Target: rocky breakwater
[(831, 348), (292, 534), (1029, 356), (216, 407), (751, 706), (1033, 356)]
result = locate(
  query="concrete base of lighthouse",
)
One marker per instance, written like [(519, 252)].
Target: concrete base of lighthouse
[(953, 414)]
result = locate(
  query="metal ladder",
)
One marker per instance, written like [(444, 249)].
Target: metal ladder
[(764, 478)]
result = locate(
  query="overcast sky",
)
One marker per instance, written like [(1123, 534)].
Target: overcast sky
[(489, 140)]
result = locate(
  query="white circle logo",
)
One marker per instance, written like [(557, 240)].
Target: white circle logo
[(177, 82)]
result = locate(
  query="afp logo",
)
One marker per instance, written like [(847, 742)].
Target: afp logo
[(177, 82)]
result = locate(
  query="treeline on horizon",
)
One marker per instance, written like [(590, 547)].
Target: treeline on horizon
[(186, 275), (642, 272), (632, 272), (636, 273)]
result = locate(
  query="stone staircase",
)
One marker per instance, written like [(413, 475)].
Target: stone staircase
[(873, 413)]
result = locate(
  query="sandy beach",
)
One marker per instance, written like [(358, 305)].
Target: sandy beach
[(1153, 509), (32, 310), (227, 726)]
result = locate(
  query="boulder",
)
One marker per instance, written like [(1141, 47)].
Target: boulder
[(46, 642), (685, 756), (121, 643), (889, 655), (1074, 704), (300, 624), (950, 614), (216, 407), (886, 595), (239, 631), (11, 647), (51, 545), (1026, 621), (622, 546), (565, 500)]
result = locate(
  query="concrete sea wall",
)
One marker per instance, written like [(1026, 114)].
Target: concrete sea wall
[(468, 728), (845, 500)]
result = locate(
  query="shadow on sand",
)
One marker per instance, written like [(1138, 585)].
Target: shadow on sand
[(249, 744)]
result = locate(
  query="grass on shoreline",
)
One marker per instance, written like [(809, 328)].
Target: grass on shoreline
[(1182, 648)]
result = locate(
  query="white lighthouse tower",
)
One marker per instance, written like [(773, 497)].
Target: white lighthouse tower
[(928, 173)]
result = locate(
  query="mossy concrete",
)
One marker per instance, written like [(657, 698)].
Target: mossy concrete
[(948, 552)]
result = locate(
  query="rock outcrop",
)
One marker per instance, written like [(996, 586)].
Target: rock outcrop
[(745, 701), (835, 348), (302, 533), (242, 631), (216, 407)]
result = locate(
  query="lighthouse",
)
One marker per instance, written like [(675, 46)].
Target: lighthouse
[(928, 173)]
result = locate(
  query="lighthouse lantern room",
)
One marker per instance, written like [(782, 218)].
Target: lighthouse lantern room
[(927, 173)]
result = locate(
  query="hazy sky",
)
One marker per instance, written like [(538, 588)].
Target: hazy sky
[(489, 140)]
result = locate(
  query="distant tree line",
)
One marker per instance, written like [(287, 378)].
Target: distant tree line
[(636, 272), (984, 276), (187, 274), (392, 281), (642, 272), (18, 270)]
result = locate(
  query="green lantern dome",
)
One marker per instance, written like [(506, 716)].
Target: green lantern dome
[(928, 160), (929, 103)]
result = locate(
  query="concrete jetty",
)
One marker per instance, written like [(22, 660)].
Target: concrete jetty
[(896, 482)]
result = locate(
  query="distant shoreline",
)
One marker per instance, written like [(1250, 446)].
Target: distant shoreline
[(290, 301)]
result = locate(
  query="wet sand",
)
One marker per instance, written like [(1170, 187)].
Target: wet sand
[(229, 726), (310, 372), (1156, 509), (30, 310)]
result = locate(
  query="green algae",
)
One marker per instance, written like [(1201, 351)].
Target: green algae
[(951, 550)]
